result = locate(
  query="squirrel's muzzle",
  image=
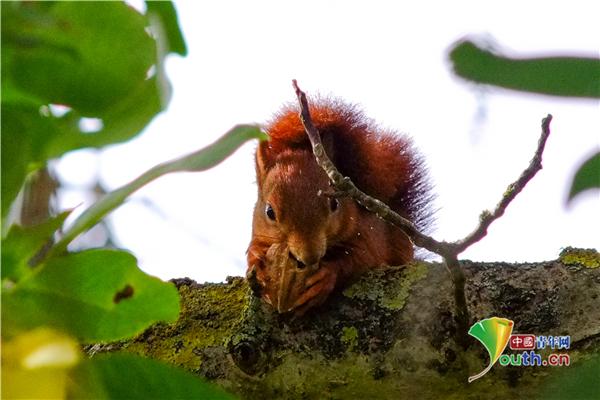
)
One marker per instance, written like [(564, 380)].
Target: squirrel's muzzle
[(306, 253)]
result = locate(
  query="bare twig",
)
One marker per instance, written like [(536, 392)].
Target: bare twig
[(448, 250), (511, 192)]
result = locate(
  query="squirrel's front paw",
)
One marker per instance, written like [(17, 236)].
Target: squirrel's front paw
[(318, 286), (289, 288)]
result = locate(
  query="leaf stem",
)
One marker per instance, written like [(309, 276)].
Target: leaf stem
[(199, 160)]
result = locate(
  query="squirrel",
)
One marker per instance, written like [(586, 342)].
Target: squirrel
[(306, 242)]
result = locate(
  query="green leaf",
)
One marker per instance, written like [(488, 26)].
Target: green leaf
[(26, 135), (29, 138), (127, 376), (168, 15), (94, 295), (11, 94), (587, 177), (559, 76), (23, 243), (70, 52), (198, 161), (16, 155), (121, 121)]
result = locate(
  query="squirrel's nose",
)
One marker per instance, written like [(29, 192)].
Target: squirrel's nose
[(305, 259), (306, 251)]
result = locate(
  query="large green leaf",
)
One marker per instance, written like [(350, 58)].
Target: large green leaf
[(21, 244), (120, 122), (94, 295), (559, 76), (70, 53), (200, 160), (127, 376), (586, 177)]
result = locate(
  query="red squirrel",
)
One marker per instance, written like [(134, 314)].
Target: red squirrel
[(305, 242)]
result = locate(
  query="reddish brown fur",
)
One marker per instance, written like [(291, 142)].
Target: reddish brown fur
[(331, 248)]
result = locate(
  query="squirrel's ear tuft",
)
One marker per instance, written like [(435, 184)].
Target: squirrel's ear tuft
[(265, 159)]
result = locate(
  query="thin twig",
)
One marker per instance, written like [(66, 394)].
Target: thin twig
[(511, 192), (448, 250)]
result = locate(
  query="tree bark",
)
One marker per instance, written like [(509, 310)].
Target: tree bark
[(390, 335)]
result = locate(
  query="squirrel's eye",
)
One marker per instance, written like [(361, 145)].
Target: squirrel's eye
[(334, 204), (270, 212)]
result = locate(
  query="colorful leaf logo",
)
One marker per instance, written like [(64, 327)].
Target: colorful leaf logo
[(494, 334)]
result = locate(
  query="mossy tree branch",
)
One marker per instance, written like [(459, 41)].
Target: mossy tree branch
[(387, 336)]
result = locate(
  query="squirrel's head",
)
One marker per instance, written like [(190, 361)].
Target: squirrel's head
[(295, 206)]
